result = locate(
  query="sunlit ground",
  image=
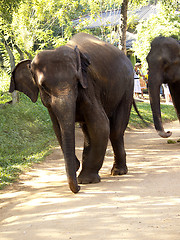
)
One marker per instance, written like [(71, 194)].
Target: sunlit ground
[(142, 205)]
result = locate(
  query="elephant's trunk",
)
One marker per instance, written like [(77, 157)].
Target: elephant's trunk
[(154, 92), (68, 147), (64, 110)]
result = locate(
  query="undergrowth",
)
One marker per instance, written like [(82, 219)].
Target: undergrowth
[(26, 136)]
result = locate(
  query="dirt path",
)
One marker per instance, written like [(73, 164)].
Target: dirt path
[(142, 205)]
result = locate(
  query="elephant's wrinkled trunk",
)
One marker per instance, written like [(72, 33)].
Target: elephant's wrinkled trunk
[(68, 147), (64, 110), (154, 92)]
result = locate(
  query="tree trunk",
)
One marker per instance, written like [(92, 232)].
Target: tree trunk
[(123, 26), (28, 54), (15, 95), (19, 51)]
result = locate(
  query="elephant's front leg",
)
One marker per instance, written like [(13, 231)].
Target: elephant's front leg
[(96, 134)]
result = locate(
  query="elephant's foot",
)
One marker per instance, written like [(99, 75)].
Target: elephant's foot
[(119, 170), (86, 178)]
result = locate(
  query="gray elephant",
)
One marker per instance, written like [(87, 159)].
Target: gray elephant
[(164, 67), (86, 81)]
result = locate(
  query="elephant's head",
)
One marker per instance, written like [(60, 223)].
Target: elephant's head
[(57, 75), (23, 81), (164, 64)]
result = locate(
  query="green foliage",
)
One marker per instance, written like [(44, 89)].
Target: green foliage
[(5, 96), (7, 7), (170, 5), (37, 25), (165, 24), (41, 24)]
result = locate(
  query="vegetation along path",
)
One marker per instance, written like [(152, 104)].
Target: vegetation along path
[(144, 204)]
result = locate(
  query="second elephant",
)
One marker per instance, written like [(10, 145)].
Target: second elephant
[(86, 81), (164, 67)]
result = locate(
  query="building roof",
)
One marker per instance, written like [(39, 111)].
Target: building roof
[(112, 17)]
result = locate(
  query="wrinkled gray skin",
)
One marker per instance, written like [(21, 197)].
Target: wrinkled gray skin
[(164, 67), (90, 82)]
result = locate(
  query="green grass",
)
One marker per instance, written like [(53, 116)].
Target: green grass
[(26, 134), (167, 112)]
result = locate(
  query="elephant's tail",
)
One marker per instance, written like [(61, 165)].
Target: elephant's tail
[(138, 113)]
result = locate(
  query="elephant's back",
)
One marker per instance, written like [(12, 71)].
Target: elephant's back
[(110, 70), (96, 49), (107, 61)]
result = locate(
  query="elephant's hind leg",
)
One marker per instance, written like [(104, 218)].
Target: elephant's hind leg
[(96, 134), (118, 126)]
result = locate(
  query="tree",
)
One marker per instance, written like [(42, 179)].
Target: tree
[(169, 5), (123, 25), (7, 8), (165, 24), (26, 27), (98, 6), (6, 12)]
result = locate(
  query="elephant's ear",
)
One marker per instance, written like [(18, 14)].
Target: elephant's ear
[(23, 81), (82, 64)]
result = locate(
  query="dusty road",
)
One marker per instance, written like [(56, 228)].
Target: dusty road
[(142, 205)]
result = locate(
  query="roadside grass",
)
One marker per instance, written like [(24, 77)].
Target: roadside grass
[(168, 114), (26, 137), (26, 134)]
